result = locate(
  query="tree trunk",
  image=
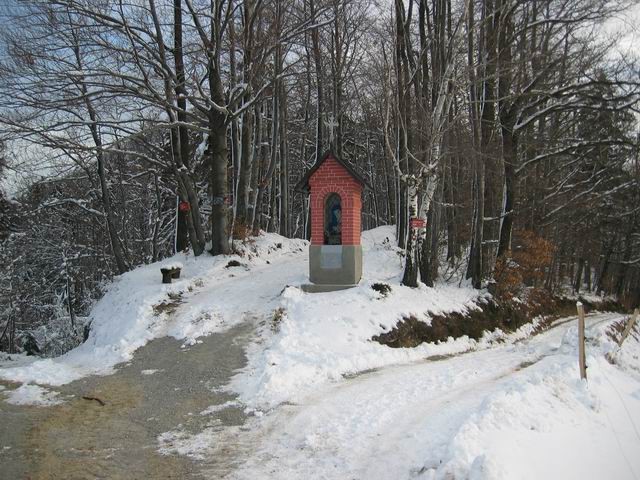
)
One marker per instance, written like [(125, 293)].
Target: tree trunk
[(510, 179), (157, 223), (317, 58), (429, 249), (474, 270), (256, 166), (284, 168), (488, 143), (604, 268), (218, 155), (623, 266), (244, 169), (578, 281), (180, 139), (412, 259), (475, 264), (390, 183), (450, 212), (507, 116)]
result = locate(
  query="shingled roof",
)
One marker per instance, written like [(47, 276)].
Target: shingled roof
[(303, 184)]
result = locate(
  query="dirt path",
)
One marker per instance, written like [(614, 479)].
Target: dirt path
[(81, 439)]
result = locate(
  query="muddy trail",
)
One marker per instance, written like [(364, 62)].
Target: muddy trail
[(164, 387)]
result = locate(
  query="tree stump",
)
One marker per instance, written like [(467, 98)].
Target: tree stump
[(168, 273)]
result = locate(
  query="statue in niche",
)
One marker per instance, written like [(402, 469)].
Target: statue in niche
[(333, 220)]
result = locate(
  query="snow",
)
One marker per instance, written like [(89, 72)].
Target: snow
[(28, 394), (172, 265), (550, 413), (218, 408), (137, 307), (511, 411), (325, 336), (319, 339), (199, 446), (582, 430), (182, 443), (325, 401), (322, 337), (15, 359)]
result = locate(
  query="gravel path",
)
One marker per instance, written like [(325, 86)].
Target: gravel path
[(81, 439)]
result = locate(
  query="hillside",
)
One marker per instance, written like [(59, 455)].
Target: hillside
[(316, 396)]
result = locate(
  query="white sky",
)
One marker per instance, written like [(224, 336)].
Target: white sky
[(625, 26)]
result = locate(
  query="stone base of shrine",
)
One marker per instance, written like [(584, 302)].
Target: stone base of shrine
[(316, 288), (335, 267)]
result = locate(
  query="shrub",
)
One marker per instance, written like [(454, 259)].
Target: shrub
[(241, 231), (276, 320), (525, 265)]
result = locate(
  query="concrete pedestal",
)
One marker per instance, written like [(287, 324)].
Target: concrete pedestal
[(334, 267)]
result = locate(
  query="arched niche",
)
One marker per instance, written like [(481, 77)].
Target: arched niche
[(333, 219)]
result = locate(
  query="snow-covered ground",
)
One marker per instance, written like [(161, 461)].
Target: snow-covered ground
[(32, 395), (328, 402), (318, 339), (510, 412), (137, 307)]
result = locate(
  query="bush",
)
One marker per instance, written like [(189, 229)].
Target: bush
[(525, 265), (241, 231), (276, 320)]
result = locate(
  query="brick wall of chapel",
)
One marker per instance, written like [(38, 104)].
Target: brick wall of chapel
[(330, 178)]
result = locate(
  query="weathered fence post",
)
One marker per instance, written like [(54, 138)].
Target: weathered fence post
[(582, 361), (629, 327)]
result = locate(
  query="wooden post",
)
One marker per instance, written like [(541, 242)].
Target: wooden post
[(629, 327), (582, 361)]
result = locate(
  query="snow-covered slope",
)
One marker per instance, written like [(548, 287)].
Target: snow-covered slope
[(328, 402), (208, 297), (321, 337), (304, 340), (514, 411)]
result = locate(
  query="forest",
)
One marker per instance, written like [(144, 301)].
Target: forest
[(140, 128)]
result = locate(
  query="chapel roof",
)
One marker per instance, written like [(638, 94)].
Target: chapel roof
[(303, 184)]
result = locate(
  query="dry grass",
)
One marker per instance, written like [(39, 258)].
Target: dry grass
[(168, 307)]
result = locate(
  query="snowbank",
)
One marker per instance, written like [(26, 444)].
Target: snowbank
[(138, 308), (322, 337), (316, 339), (546, 423), (515, 411)]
